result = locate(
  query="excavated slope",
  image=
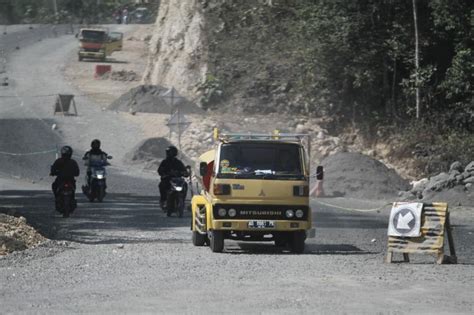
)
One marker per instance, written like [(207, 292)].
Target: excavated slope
[(178, 47)]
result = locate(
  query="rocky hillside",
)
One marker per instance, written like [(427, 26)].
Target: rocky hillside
[(178, 47), (307, 59), (225, 54)]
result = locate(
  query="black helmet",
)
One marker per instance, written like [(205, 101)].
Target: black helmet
[(171, 151), (95, 144), (66, 152)]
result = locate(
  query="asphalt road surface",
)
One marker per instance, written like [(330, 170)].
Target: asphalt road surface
[(125, 256)]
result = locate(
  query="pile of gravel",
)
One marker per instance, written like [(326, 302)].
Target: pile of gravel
[(16, 235), (120, 75), (455, 187), (355, 175), (153, 99)]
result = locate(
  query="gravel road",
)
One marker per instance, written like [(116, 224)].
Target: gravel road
[(125, 256)]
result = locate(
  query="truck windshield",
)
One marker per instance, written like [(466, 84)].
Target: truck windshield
[(93, 36), (260, 161)]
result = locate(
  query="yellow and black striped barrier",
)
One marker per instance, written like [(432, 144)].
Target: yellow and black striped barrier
[(434, 226)]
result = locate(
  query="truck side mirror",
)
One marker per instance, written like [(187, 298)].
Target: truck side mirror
[(203, 168), (319, 172)]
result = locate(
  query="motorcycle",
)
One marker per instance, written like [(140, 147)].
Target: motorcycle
[(65, 201), (96, 187), (176, 195)]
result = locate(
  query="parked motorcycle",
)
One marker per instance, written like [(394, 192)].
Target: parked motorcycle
[(65, 200), (176, 196), (96, 187)]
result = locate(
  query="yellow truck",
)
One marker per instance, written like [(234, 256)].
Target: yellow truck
[(255, 187), (98, 43)]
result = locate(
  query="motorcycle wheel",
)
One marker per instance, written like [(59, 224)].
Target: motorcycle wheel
[(58, 204), (91, 196), (170, 205), (67, 203), (180, 206), (101, 194)]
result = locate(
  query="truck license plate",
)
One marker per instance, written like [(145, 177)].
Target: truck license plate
[(259, 224)]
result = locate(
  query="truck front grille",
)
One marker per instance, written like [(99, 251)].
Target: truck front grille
[(260, 212)]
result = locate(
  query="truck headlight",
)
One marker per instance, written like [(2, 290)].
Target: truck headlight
[(289, 213), (222, 212), (299, 213), (232, 212)]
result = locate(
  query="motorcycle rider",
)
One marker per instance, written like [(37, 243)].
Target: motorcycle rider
[(65, 169), (93, 156), (118, 16), (171, 166)]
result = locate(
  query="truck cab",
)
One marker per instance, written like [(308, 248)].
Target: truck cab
[(255, 188), (98, 43)]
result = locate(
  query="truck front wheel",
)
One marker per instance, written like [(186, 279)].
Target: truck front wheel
[(199, 239), (297, 242), (281, 239), (216, 241)]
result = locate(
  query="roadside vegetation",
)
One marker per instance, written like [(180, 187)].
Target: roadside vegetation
[(364, 64)]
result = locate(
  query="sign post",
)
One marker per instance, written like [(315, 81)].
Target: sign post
[(420, 228), (177, 122), (63, 104)]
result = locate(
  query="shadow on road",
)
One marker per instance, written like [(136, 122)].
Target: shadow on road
[(105, 61), (311, 249), (121, 218), (339, 219)]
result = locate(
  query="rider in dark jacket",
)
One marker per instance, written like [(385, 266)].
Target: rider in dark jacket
[(64, 168), (171, 166)]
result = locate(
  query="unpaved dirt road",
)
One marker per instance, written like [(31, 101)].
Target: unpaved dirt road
[(125, 256)]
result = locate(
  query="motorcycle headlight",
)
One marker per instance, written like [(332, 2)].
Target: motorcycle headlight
[(289, 213), (222, 212), (178, 188), (299, 213), (232, 212)]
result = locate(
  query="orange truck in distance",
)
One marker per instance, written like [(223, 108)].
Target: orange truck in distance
[(98, 43)]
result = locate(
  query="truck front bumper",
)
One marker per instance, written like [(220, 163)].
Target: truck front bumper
[(243, 225), (91, 54)]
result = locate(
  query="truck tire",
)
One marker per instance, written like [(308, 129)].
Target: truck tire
[(199, 239), (216, 241), (281, 239), (297, 242)]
